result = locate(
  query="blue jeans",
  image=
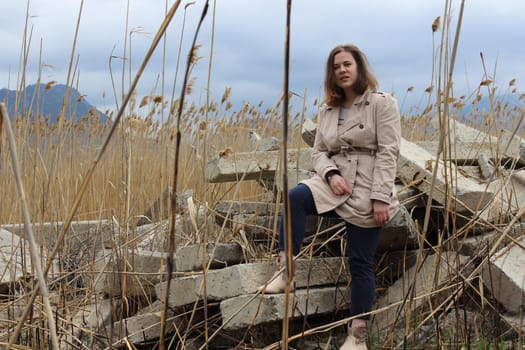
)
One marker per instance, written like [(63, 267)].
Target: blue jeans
[(361, 245)]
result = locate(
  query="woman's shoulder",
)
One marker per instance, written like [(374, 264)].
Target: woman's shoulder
[(381, 98), (380, 95), (324, 108)]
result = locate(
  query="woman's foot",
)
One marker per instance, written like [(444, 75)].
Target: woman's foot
[(356, 338), (276, 285), (279, 280)]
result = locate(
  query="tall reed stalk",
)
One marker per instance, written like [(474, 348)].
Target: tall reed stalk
[(178, 136)]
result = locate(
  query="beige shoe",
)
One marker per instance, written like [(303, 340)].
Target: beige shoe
[(279, 280), (356, 339)]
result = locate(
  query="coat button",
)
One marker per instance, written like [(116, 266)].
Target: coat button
[(367, 103), (361, 126)]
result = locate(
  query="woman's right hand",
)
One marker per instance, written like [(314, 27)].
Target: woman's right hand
[(338, 185)]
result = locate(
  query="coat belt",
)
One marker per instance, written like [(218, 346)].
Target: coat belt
[(353, 150)]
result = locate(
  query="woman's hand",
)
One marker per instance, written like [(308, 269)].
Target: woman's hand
[(381, 213), (338, 185)]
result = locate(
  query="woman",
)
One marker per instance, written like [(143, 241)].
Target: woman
[(355, 157)]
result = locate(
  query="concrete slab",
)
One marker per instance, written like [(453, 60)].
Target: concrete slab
[(416, 167), (416, 286), (504, 277), (308, 130), (254, 165), (246, 278), (510, 188), (399, 234), (474, 245), (245, 310), (139, 329), (155, 236), (219, 255), (514, 145), (462, 153), (101, 232), (15, 259), (134, 272), (391, 265), (89, 320), (460, 132), (228, 208)]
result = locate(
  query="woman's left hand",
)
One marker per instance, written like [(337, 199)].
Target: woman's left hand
[(381, 213)]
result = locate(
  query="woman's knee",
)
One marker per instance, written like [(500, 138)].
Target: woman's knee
[(301, 197), (299, 192)]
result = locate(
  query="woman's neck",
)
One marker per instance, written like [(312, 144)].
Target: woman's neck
[(350, 96)]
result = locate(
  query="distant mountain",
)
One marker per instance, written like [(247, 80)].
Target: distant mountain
[(50, 102)]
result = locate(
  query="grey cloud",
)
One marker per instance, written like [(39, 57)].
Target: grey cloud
[(249, 43)]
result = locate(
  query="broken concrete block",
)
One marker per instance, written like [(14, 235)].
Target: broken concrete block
[(219, 255), (294, 176), (504, 277), (140, 329), (416, 286), (155, 236), (255, 165), (460, 132), (308, 131), (474, 245), (510, 187), (399, 233), (513, 144), (247, 310), (486, 167), (516, 322), (80, 234), (227, 209), (12, 307), (461, 153), (260, 143), (416, 167), (89, 320), (410, 197), (128, 272), (246, 278), (391, 265), (15, 259)]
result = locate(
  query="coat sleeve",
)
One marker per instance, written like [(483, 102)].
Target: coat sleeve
[(388, 131), (320, 153)]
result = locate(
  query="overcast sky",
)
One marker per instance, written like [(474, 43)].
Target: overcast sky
[(248, 52)]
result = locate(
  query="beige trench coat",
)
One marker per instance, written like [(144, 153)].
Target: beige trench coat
[(364, 149)]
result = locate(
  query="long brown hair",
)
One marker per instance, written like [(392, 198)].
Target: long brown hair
[(366, 80)]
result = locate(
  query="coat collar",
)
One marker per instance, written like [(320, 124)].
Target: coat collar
[(364, 98)]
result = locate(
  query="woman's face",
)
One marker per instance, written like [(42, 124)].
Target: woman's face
[(345, 70)]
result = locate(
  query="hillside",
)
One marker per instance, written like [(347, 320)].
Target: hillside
[(47, 102)]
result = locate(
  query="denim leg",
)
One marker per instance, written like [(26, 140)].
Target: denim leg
[(361, 247), (301, 205)]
